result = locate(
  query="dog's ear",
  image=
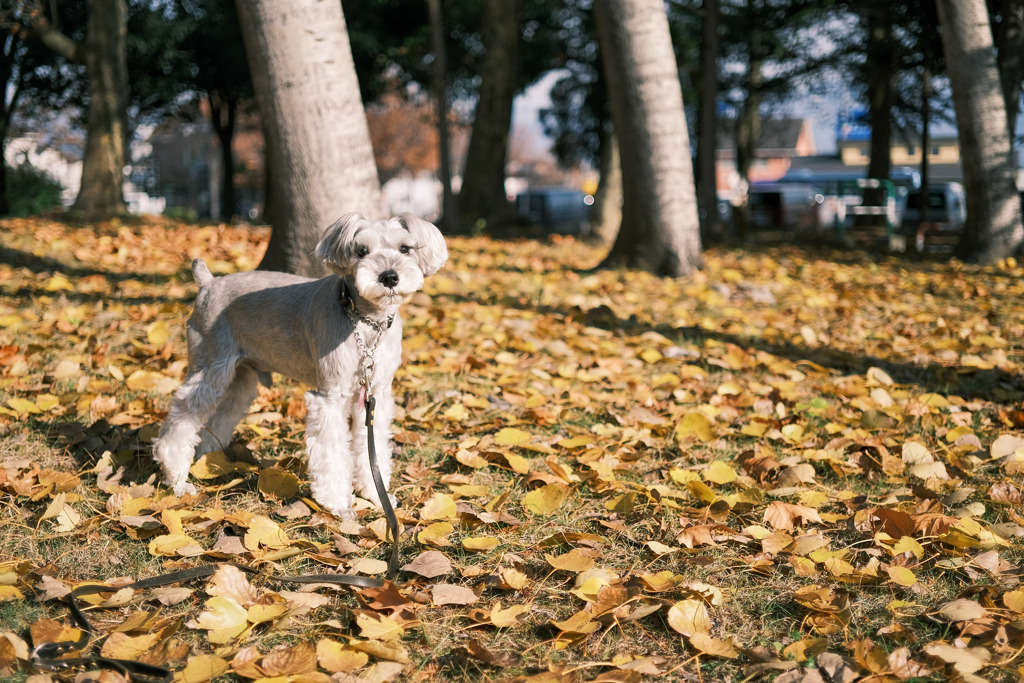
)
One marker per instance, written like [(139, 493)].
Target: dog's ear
[(431, 252), (335, 246)]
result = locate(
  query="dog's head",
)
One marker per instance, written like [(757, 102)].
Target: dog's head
[(388, 259)]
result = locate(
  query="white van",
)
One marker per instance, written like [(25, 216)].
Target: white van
[(947, 213)]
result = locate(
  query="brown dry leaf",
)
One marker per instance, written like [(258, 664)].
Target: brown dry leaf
[(787, 516), (298, 659), (429, 564), (448, 594), (713, 647)]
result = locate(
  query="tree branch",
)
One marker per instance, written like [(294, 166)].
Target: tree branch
[(54, 39)]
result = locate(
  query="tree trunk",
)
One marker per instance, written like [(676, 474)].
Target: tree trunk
[(319, 155), (482, 199), (223, 113), (105, 56), (993, 228), (660, 229), (748, 124), (881, 92), (606, 216), (1008, 34), (707, 119), (449, 207)]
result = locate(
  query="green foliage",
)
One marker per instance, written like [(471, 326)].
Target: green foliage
[(31, 191)]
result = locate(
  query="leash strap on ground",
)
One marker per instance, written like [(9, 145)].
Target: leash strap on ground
[(47, 656), (382, 489)]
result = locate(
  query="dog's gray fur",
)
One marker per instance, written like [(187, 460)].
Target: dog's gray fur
[(247, 325)]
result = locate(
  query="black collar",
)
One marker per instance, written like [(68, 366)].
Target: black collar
[(348, 304)]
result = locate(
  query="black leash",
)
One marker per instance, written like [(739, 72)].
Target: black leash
[(382, 489), (46, 656)]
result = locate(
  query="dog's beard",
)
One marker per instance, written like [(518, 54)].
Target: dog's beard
[(367, 281)]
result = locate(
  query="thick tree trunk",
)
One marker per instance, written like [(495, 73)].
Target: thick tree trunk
[(449, 206), (606, 216), (993, 229), (1008, 34), (881, 92), (707, 119), (319, 155), (482, 200), (748, 124), (223, 112), (660, 228), (105, 56)]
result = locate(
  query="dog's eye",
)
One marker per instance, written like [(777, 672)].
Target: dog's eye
[(361, 251), (405, 249)]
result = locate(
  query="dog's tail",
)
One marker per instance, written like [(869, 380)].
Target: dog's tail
[(200, 273)]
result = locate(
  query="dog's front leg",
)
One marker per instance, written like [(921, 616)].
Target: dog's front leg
[(383, 415), (327, 445)]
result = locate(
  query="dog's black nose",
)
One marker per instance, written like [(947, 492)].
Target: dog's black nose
[(388, 278)]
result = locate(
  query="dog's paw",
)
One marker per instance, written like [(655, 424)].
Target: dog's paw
[(344, 514), (184, 488)]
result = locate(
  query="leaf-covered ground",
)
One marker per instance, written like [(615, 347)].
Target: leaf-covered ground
[(794, 466)]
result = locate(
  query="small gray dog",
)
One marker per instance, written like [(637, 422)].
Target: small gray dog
[(328, 333)]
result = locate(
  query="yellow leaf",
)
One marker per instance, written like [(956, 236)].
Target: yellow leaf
[(510, 436), (713, 647), (224, 618), (581, 622), (174, 545), (480, 543), (695, 424), (510, 617), (651, 355), (278, 483), (689, 617), (456, 413), (258, 614), (10, 593), (720, 473), (122, 646), (266, 532), (47, 402), (1014, 600), (439, 506), (907, 544), (518, 463), (202, 668), (435, 532), (623, 504), (23, 406), (573, 561), (336, 658), (378, 627), (158, 333), (576, 442), (546, 499), (901, 575)]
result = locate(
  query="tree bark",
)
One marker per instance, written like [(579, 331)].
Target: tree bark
[(881, 92), (993, 228), (660, 229), (104, 54), (606, 216), (1008, 34), (223, 113), (482, 199), (748, 124), (707, 119), (439, 76), (319, 155)]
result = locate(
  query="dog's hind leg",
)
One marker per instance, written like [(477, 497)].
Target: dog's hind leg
[(193, 404), (217, 432)]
